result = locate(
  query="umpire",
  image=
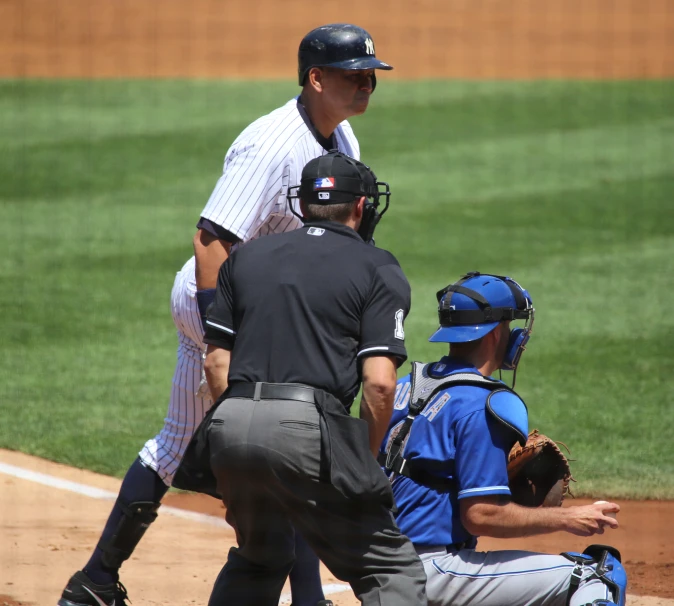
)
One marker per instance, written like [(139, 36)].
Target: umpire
[(299, 320)]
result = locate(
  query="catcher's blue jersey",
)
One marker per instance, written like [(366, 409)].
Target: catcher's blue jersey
[(455, 437)]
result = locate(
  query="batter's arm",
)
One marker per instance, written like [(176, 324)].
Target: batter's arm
[(495, 516), (210, 252), (376, 404), (216, 368)]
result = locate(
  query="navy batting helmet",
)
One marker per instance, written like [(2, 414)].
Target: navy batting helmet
[(339, 45)]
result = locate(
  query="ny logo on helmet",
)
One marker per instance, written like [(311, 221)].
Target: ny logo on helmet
[(369, 46)]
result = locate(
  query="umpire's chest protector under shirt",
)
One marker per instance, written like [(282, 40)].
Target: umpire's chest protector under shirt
[(304, 306)]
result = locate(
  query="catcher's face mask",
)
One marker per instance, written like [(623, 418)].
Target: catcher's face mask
[(338, 179), (483, 306)]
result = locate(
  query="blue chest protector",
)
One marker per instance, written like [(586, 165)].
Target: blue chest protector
[(423, 388)]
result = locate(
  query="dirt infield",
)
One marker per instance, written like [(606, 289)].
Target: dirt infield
[(48, 531), (645, 538), (421, 38)]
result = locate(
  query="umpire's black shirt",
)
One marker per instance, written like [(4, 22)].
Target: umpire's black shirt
[(306, 305)]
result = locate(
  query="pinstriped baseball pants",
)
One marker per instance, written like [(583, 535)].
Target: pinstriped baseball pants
[(186, 408)]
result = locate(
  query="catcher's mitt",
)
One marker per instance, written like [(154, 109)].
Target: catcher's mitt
[(538, 472)]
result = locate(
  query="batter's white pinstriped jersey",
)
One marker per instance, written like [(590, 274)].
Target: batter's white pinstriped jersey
[(249, 200)]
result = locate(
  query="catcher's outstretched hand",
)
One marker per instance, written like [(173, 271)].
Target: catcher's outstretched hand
[(538, 472), (587, 520)]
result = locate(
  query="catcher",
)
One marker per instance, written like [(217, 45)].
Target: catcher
[(447, 451)]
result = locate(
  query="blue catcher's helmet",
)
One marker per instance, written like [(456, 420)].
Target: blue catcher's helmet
[(475, 305), (339, 45)]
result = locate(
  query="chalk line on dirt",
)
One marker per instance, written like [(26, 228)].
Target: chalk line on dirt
[(98, 493), (102, 494), (107, 495)]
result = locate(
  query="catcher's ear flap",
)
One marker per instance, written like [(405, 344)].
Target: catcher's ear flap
[(519, 337), (510, 410)]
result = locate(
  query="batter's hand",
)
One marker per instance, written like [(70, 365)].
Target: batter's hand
[(587, 520)]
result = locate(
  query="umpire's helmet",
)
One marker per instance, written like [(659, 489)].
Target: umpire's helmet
[(339, 45)]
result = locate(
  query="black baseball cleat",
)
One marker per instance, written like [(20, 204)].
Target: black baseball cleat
[(325, 603), (82, 591)]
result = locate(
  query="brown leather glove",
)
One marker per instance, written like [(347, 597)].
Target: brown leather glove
[(538, 472)]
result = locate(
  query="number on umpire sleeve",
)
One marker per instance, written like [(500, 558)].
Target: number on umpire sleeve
[(399, 332)]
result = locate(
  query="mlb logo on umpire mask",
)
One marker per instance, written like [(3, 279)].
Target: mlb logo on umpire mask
[(324, 183)]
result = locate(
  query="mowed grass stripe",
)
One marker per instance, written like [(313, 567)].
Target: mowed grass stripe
[(536, 163), (566, 186), (87, 110)]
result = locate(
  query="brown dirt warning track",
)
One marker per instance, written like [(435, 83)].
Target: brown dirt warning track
[(47, 527), (259, 38)]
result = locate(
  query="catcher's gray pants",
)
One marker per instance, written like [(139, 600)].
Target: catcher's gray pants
[(265, 455), (497, 578)]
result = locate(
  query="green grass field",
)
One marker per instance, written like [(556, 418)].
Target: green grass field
[(566, 186)]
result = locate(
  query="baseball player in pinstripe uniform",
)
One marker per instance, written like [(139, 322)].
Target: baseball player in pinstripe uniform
[(336, 72)]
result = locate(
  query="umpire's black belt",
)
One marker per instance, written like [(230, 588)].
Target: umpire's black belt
[(271, 391), (346, 462)]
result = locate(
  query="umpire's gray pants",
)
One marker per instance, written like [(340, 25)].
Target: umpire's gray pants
[(266, 456)]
